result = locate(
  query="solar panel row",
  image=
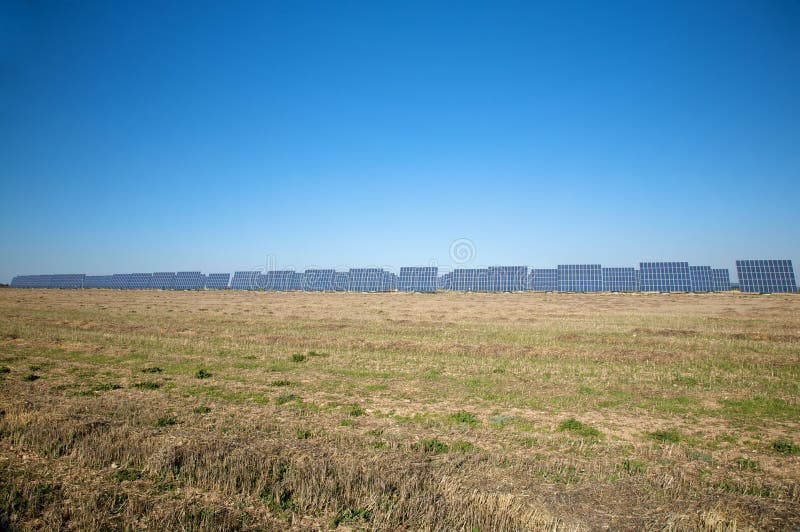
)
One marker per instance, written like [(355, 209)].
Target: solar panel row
[(766, 276), (754, 276), (418, 279), (665, 277), (620, 280)]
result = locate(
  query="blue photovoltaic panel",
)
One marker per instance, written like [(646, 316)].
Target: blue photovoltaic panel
[(163, 281), (31, 281), (70, 280), (341, 281), (665, 277), (120, 281), (543, 280), (389, 282), (721, 279), (298, 281), (98, 281), (140, 281), (580, 278), (766, 276), (217, 281), (470, 280), (620, 280), (445, 281), (417, 279), (245, 281), (367, 280), (188, 281), (507, 278), (319, 280), (280, 280), (702, 281)]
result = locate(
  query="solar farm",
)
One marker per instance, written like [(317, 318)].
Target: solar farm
[(579, 397), (759, 276)]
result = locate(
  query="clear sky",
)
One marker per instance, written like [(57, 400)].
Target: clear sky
[(213, 135)]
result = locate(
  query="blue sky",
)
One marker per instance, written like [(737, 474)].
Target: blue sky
[(213, 135)]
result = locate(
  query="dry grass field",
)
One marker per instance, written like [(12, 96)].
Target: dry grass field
[(450, 411)]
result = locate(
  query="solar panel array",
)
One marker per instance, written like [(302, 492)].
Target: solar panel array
[(754, 276), (217, 281), (721, 279), (163, 280), (665, 277), (763, 276), (371, 280), (418, 279), (140, 281), (189, 281), (580, 278), (319, 280), (508, 278), (620, 280), (543, 280), (702, 280)]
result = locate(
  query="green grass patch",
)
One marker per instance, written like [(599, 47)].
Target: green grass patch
[(745, 464), (632, 467), (433, 446), (165, 422), (201, 410), (5, 369), (786, 447), (151, 369), (666, 436), (203, 373), (298, 357), (286, 398), (581, 429), (356, 411), (122, 475), (147, 385), (31, 377), (348, 516), (462, 416), (461, 446), (280, 383), (761, 407), (303, 434)]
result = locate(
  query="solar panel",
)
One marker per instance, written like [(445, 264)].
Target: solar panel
[(368, 280), (665, 277), (766, 276), (389, 282), (543, 280), (162, 280), (507, 278), (188, 281), (120, 281), (318, 280), (140, 281), (245, 281), (620, 280), (97, 281), (445, 281), (417, 279), (341, 281), (702, 280), (721, 279), (580, 278), (70, 280), (217, 281), (470, 280), (31, 281)]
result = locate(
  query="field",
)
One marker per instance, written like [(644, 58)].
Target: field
[(450, 411)]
